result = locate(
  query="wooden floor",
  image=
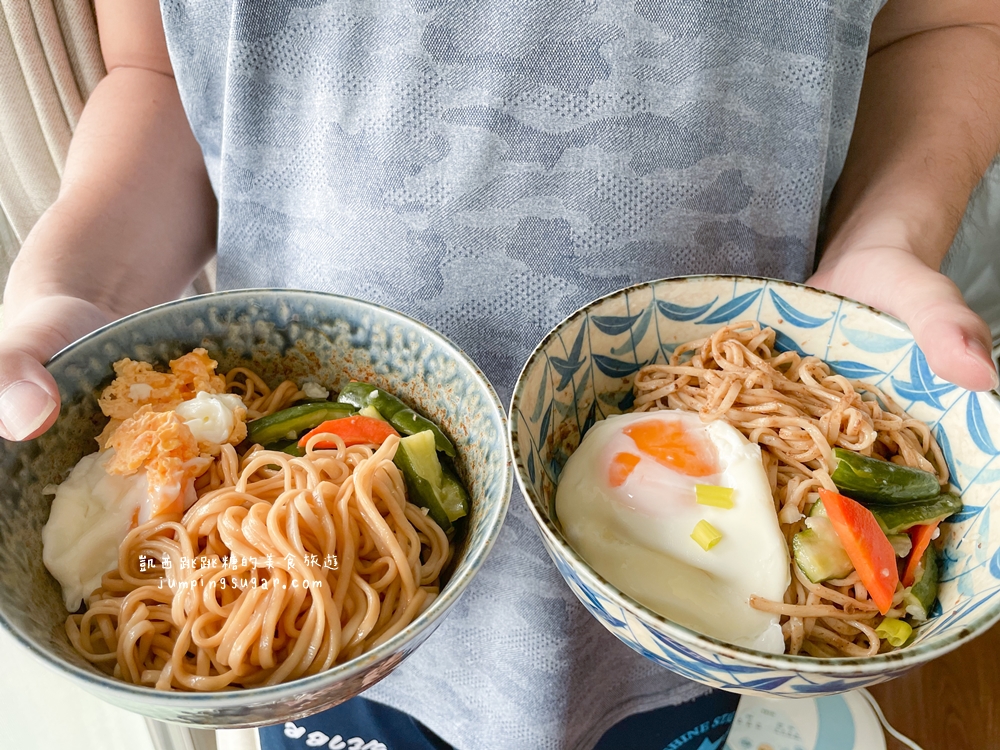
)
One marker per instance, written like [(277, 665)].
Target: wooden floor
[(952, 703)]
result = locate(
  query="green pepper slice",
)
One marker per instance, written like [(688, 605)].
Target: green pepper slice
[(921, 597), (872, 480), (291, 447), (289, 423), (454, 497), (902, 516), (398, 414), (359, 395), (408, 422)]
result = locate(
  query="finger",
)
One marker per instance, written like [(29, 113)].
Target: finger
[(955, 340), (29, 397)]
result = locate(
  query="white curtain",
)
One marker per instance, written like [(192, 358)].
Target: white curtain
[(50, 62)]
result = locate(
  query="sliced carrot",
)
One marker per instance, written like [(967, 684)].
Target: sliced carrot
[(621, 467), (921, 538), (356, 430), (867, 546)]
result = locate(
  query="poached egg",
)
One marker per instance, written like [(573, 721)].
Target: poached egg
[(628, 503), (107, 494)]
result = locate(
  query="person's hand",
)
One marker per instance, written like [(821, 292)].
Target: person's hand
[(133, 224), (31, 334), (954, 339)]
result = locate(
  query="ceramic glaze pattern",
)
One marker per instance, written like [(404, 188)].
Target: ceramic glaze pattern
[(583, 371), (279, 334)]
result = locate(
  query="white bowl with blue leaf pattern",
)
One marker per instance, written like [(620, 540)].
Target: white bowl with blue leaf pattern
[(582, 371)]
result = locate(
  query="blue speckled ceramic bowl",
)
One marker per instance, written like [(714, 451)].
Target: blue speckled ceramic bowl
[(279, 334), (582, 372)]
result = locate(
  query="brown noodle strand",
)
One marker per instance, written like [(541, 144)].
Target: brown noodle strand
[(237, 604), (797, 410), (804, 610)]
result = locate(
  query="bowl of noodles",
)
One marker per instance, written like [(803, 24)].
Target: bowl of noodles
[(724, 470), (253, 506)]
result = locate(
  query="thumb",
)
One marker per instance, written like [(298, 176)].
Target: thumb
[(29, 397), (955, 340)]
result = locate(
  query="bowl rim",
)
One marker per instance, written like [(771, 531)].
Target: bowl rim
[(558, 545), (425, 622)]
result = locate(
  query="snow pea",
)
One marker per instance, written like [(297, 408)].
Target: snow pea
[(872, 480), (289, 423)]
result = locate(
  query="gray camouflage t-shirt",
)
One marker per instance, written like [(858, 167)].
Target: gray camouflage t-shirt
[(488, 166)]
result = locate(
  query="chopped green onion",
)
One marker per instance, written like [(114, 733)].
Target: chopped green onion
[(717, 497), (897, 632), (706, 535)]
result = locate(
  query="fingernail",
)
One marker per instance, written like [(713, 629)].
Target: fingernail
[(978, 350), (24, 407)]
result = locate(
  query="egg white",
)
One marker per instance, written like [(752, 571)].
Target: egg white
[(91, 514), (638, 535), (93, 511)]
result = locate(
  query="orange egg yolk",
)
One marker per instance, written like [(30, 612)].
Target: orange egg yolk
[(674, 446), (621, 466)]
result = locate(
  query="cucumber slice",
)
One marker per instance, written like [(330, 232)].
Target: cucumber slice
[(921, 597), (409, 422), (360, 395), (897, 518), (900, 542), (818, 552), (872, 480), (428, 483), (422, 456), (818, 510)]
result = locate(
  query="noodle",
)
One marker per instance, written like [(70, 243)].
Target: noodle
[(797, 410), (283, 567)]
